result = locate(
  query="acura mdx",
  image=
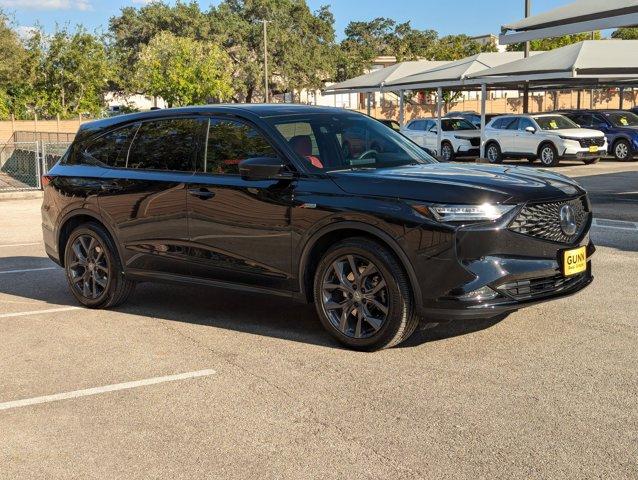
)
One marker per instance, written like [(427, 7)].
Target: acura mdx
[(266, 198)]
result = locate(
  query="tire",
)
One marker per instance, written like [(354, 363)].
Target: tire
[(447, 152), (360, 323), (493, 153), (622, 150), (548, 155), (93, 268), (589, 161)]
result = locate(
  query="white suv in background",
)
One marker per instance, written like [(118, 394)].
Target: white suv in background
[(458, 137), (549, 137)]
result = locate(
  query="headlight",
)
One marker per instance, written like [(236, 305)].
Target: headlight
[(462, 213)]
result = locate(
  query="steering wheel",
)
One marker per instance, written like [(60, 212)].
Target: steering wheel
[(366, 153)]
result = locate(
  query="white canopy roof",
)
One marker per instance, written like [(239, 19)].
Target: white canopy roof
[(375, 80), (453, 73), (577, 17), (602, 60)]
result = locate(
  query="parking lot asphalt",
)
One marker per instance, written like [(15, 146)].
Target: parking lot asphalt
[(548, 392)]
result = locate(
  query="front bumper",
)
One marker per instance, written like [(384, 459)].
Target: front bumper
[(572, 149), (517, 270)]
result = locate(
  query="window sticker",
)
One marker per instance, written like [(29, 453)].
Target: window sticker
[(624, 121), (553, 125)]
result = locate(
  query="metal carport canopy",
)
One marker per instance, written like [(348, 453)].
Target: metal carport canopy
[(577, 17), (375, 80)]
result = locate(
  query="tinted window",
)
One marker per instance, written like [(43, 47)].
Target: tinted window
[(454, 124), (170, 144), (622, 119), (554, 122), (110, 149), (498, 123), (511, 124), (582, 119), (348, 141), (230, 142), (417, 125)]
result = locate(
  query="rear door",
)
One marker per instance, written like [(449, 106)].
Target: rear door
[(144, 197), (239, 229)]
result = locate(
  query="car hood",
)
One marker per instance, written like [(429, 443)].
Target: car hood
[(459, 184), (576, 132)]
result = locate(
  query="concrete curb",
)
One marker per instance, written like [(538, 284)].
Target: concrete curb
[(20, 195)]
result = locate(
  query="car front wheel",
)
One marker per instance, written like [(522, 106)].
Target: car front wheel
[(93, 268), (363, 297), (447, 152), (493, 153), (622, 150), (548, 155)]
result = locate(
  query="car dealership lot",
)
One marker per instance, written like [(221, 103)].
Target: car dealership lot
[(549, 391)]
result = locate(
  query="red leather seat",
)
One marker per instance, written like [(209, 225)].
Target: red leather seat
[(302, 145)]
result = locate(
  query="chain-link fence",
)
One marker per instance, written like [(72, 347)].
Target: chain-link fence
[(22, 164)]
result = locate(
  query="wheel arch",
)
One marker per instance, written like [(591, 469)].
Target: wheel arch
[(74, 219), (321, 241), (546, 142)]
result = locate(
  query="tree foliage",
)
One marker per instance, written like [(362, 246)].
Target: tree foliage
[(627, 33), (545, 44), (183, 71)]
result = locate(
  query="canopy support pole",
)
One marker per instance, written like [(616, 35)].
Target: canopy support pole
[(483, 98), (622, 94), (401, 108), (439, 102), (369, 102)]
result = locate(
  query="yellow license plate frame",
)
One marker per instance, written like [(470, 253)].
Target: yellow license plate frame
[(574, 261), (593, 149)]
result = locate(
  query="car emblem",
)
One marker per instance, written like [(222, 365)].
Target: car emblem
[(567, 220)]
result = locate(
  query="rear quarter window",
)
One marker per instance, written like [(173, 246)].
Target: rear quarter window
[(109, 149)]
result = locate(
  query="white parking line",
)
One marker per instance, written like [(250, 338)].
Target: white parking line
[(28, 270), (615, 224), (35, 312), (20, 244), (106, 388)]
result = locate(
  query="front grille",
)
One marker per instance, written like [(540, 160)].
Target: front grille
[(475, 142), (592, 142), (542, 220), (540, 287)]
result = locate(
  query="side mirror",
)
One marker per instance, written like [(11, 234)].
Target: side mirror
[(264, 168), (530, 129)]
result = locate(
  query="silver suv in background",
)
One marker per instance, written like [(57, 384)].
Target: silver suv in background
[(458, 136), (547, 137)]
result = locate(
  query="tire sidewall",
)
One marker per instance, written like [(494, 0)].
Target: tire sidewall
[(554, 155), (447, 146), (628, 156), (396, 312), (111, 262), (499, 157)]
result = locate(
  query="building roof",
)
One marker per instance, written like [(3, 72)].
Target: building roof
[(576, 17)]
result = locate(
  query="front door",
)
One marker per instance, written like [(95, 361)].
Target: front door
[(526, 142), (144, 198), (239, 230)]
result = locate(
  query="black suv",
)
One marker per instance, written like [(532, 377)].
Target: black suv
[(265, 198)]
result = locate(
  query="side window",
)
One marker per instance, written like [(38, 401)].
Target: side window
[(170, 144), (511, 123), (417, 125), (498, 123), (523, 123), (583, 120), (110, 149), (230, 142)]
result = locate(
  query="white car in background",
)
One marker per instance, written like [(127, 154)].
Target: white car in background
[(548, 137), (458, 136)]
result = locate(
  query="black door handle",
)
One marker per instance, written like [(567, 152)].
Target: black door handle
[(202, 193)]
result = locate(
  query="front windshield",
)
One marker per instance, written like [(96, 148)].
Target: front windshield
[(453, 124), (340, 141), (622, 119), (554, 122)]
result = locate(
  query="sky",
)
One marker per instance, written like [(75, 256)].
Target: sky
[(471, 17)]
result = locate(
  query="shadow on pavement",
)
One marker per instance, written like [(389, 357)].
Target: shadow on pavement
[(263, 315)]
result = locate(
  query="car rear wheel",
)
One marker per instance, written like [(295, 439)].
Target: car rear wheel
[(493, 153), (363, 297), (93, 268), (548, 155), (447, 152), (622, 150)]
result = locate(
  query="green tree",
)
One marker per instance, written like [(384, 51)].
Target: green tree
[(545, 44), (134, 28), (183, 71), (455, 47), (626, 33), (301, 48), (73, 74)]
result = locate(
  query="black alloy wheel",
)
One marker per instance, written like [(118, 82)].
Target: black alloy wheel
[(93, 268), (363, 296)]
